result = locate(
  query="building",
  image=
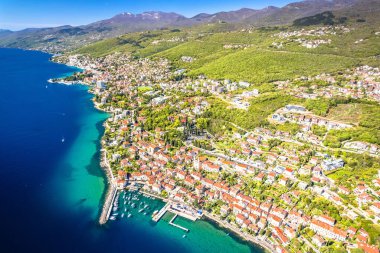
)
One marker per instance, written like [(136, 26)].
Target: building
[(327, 230)]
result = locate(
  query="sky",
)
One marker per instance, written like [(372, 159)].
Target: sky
[(20, 14)]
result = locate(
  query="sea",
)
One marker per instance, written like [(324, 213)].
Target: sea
[(51, 184)]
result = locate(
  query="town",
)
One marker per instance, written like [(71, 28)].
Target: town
[(271, 186)]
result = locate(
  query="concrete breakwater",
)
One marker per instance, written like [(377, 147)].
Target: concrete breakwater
[(111, 189), (107, 206)]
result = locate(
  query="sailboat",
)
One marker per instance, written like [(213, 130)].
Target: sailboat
[(63, 139)]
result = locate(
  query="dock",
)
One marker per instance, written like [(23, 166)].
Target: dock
[(107, 207), (161, 213), (171, 222)]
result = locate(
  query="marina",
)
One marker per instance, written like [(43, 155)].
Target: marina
[(123, 202)]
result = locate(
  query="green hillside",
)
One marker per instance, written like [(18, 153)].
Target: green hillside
[(242, 53)]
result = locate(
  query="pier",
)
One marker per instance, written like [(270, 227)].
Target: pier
[(171, 222), (161, 213), (107, 207)]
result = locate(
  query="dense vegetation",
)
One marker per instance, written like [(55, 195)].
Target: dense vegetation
[(324, 18), (255, 116)]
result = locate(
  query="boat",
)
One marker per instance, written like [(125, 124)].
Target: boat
[(145, 213), (141, 210), (154, 213), (63, 140), (129, 215), (112, 218), (115, 209), (184, 236), (122, 215)]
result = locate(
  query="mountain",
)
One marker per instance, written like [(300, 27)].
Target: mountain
[(4, 32), (128, 22), (292, 11), (62, 38), (233, 16), (57, 39)]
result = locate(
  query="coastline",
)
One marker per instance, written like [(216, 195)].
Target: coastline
[(266, 246), (226, 226), (111, 189)]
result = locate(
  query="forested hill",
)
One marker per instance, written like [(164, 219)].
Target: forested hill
[(64, 38), (224, 50)]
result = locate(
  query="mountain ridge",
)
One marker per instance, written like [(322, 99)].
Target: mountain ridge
[(67, 37)]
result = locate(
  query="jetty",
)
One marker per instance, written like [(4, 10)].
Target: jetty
[(161, 213), (171, 222), (177, 209), (107, 207)]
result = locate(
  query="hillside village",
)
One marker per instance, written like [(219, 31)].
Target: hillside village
[(267, 183)]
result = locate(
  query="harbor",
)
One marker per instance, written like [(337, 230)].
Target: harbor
[(139, 208)]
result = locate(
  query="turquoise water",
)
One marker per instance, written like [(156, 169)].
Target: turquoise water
[(202, 236), (52, 191)]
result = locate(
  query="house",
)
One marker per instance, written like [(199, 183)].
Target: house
[(237, 209), (253, 217), (332, 164), (343, 190), (246, 223), (326, 219), (274, 220), (210, 167), (271, 177), (319, 241), (280, 212), (156, 188), (120, 183), (283, 181), (253, 228), (197, 176), (327, 230), (262, 223), (375, 207), (364, 198), (302, 185), (199, 189), (224, 210), (181, 175), (266, 207), (368, 248), (315, 180), (240, 219), (259, 177), (241, 167), (281, 236), (289, 172), (290, 232)]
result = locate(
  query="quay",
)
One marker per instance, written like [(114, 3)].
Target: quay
[(107, 207), (161, 213), (111, 192), (169, 207), (171, 222)]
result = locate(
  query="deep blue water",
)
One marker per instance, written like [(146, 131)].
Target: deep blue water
[(51, 191)]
